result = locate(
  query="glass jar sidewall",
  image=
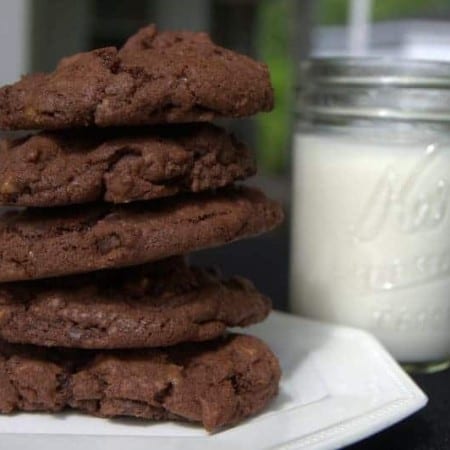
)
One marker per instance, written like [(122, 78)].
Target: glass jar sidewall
[(358, 246)]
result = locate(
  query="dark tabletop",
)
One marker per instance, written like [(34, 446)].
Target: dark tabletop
[(265, 261)]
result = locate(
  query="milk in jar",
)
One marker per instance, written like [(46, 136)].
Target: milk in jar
[(370, 244)]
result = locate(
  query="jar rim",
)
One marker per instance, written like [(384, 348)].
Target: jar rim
[(374, 88), (376, 71)]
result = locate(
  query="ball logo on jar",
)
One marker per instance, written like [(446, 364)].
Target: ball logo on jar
[(411, 210), (414, 203)]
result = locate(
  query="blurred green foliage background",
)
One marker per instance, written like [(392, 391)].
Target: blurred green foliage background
[(273, 42)]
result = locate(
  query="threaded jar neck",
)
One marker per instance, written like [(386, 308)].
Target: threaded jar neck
[(347, 89)]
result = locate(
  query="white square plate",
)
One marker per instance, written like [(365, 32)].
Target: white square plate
[(339, 385)]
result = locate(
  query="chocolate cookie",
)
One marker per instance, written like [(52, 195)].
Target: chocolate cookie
[(155, 78), (39, 243), (155, 305), (51, 169), (217, 383)]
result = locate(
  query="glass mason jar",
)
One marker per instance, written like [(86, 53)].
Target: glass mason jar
[(371, 198)]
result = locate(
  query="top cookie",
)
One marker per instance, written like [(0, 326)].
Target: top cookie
[(155, 77)]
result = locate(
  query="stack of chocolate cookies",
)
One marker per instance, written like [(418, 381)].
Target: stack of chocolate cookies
[(99, 310)]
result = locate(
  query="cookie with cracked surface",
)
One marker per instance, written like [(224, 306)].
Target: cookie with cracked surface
[(217, 383), (156, 77), (155, 305), (60, 168), (40, 243)]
